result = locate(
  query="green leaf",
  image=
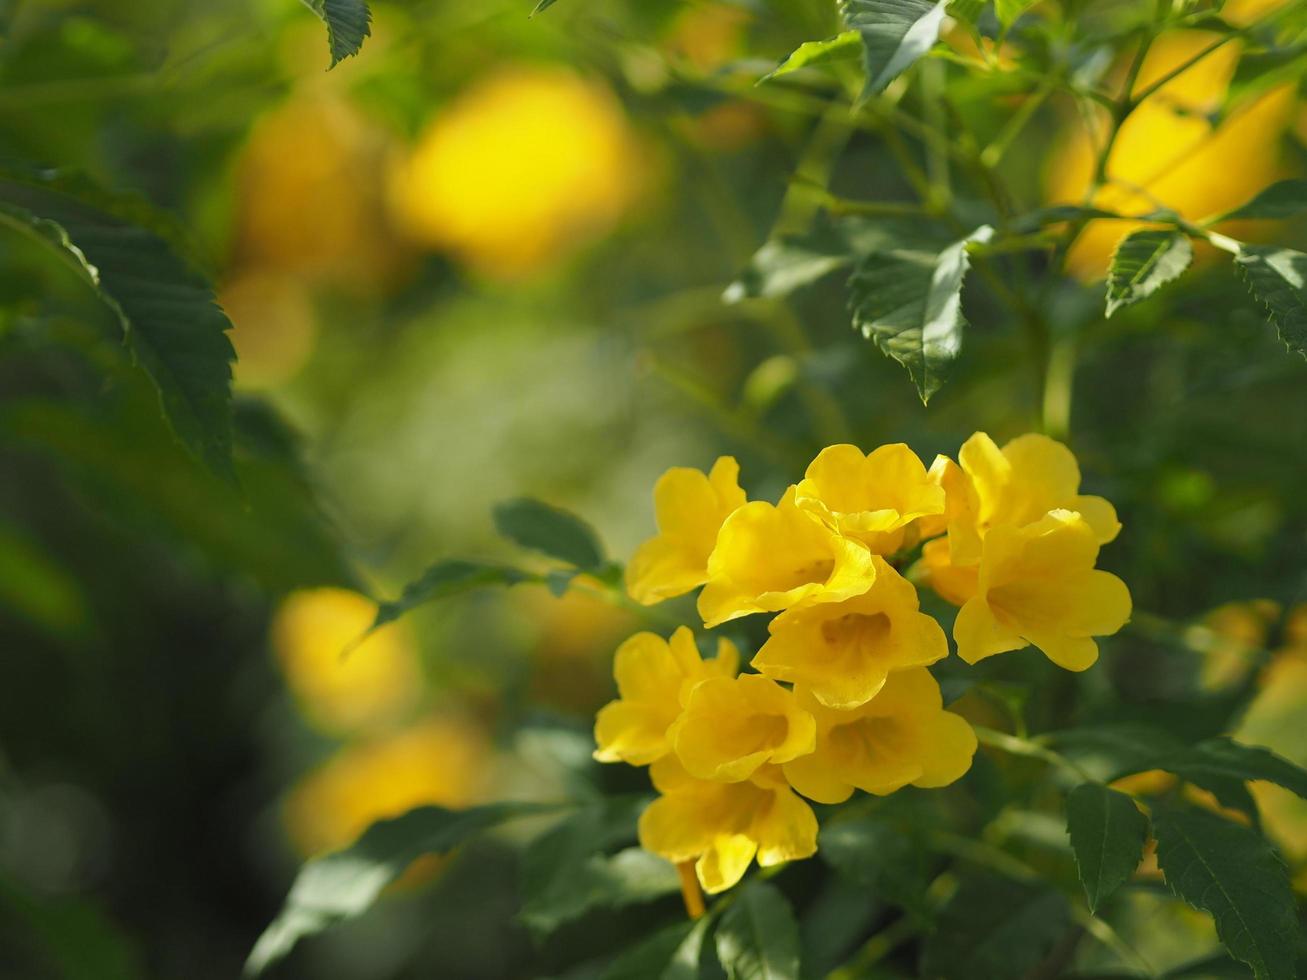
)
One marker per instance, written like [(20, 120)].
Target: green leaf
[(758, 938), (882, 856), (542, 6), (1223, 758), (995, 929), (1278, 277), (345, 884), (549, 530), (1230, 871), (1009, 10), (1143, 262), (910, 303), (966, 11), (74, 936), (169, 319), (1107, 835), (348, 23), (1281, 200), (449, 578), (841, 47), (1117, 749), (895, 33), (672, 954)]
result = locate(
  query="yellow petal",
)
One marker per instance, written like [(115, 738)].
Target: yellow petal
[(949, 746), (673, 827), (1099, 514), (989, 470), (786, 830), (979, 635), (724, 863), (953, 583), (731, 727), (631, 733)]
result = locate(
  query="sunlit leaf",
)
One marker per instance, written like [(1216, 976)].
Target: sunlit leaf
[(672, 954), (758, 938), (895, 34), (1281, 200), (841, 47), (1009, 10), (1278, 277), (449, 578), (1145, 261), (348, 23), (1107, 835)]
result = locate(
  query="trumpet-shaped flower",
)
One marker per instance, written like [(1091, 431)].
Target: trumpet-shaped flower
[(731, 727), (953, 583), (872, 498), (902, 736), (842, 652), (961, 514), (654, 680), (1027, 478), (770, 558), (690, 508), (722, 827), (1037, 585)]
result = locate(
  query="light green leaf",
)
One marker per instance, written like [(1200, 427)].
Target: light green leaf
[(672, 954), (345, 884), (966, 11), (1009, 10), (895, 33), (841, 47), (542, 6), (449, 578), (910, 304), (169, 319), (1229, 870), (1278, 277), (348, 23), (1143, 262), (1107, 835), (549, 530), (1281, 200), (758, 938)]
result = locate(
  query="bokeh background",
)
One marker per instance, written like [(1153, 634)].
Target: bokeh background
[(486, 258)]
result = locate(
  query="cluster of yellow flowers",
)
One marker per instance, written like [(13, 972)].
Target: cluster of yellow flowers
[(1007, 536)]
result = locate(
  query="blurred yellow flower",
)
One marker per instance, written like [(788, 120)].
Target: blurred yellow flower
[(340, 693), (1230, 637), (273, 326), (722, 827), (1169, 152), (732, 726), (518, 171), (842, 652), (870, 498), (440, 761), (1038, 585), (690, 508), (901, 736), (654, 681), (709, 35), (769, 558)]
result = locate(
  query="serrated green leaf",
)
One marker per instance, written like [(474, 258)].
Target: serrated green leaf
[(672, 954), (1107, 835), (995, 929), (345, 884), (1223, 758), (1278, 277), (882, 857), (1281, 200), (1009, 10), (758, 938), (1145, 261), (1229, 870), (1117, 749), (895, 34), (448, 578), (809, 54), (966, 11), (348, 22), (550, 530), (170, 321), (910, 304)]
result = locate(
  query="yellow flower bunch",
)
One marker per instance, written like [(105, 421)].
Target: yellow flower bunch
[(841, 699)]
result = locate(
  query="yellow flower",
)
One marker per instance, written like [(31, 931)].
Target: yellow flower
[(654, 678), (493, 180), (1174, 151), (366, 687), (871, 498), (690, 508), (961, 514), (731, 727), (770, 558), (722, 827), (1229, 638), (902, 736), (1028, 477), (1038, 585), (842, 652), (952, 583), (439, 761)]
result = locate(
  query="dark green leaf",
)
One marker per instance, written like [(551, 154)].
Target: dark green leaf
[(910, 304), (758, 938), (995, 929), (1115, 750), (543, 5), (841, 47), (1143, 262), (72, 934), (167, 313), (895, 33), (345, 884), (448, 578), (1278, 277), (348, 23), (1281, 200), (672, 954), (1107, 835), (1229, 870), (882, 856), (549, 530), (1222, 758)]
